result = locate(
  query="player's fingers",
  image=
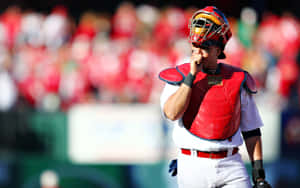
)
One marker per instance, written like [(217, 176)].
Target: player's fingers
[(196, 58), (204, 53)]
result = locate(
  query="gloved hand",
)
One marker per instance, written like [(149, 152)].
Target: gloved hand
[(262, 184), (258, 175), (173, 167)]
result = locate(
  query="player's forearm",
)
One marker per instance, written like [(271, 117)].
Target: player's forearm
[(254, 148), (177, 103)]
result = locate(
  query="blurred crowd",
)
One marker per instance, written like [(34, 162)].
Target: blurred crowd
[(51, 62)]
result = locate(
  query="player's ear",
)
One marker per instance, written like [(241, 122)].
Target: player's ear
[(219, 51)]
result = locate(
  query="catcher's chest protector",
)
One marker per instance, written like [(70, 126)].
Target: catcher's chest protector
[(215, 106)]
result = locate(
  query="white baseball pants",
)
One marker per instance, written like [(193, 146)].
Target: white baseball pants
[(196, 172)]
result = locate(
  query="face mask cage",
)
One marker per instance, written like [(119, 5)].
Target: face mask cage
[(202, 28)]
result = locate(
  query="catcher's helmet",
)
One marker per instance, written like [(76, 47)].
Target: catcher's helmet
[(209, 26)]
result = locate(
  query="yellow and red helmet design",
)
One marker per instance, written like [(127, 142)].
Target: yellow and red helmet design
[(209, 24)]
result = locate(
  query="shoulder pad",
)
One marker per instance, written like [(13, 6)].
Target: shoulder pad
[(174, 76), (184, 69), (249, 84)]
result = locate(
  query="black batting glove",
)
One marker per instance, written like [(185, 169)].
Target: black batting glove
[(173, 167), (258, 175), (262, 184)]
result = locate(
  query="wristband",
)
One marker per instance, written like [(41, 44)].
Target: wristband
[(189, 79), (257, 164)]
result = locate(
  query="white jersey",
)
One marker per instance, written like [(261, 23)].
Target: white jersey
[(250, 120)]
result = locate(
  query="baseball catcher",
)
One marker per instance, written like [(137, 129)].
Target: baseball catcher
[(212, 106)]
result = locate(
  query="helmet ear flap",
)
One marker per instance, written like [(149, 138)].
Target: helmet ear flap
[(228, 35)]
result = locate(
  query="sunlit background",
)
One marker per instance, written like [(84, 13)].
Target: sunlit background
[(79, 88)]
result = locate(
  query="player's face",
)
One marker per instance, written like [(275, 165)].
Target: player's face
[(209, 53)]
